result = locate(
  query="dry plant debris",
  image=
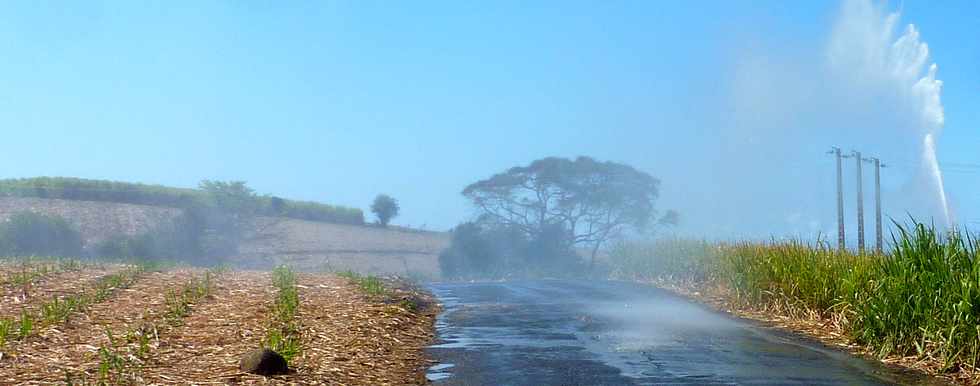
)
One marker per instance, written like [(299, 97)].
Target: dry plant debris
[(72, 350), (352, 338), (206, 349), (347, 337), (19, 297), (143, 335)]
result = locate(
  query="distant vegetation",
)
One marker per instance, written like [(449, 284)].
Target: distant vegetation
[(385, 208), (156, 195), (212, 223), (535, 219), (184, 237), (922, 299), (209, 227), (480, 251), (28, 233)]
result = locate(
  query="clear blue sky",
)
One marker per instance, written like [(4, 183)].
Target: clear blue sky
[(338, 101)]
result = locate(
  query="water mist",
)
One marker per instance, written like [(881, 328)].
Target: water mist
[(864, 45)]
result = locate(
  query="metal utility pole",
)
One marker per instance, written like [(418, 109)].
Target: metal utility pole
[(878, 237), (840, 199), (860, 201)]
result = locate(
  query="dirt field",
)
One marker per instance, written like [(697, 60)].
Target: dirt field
[(191, 326)]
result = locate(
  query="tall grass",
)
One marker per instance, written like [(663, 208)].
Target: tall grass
[(925, 299), (921, 299), (668, 259), (797, 277)]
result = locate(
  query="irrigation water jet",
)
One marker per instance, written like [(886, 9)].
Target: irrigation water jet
[(896, 68), (929, 158)]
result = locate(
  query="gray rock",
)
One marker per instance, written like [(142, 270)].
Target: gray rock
[(263, 362)]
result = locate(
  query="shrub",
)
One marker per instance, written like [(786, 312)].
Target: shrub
[(29, 233), (484, 251), (178, 239), (470, 254)]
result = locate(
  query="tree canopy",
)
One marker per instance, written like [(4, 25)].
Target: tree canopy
[(591, 201), (385, 207)]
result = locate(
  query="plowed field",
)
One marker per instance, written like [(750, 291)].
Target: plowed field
[(125, 324)]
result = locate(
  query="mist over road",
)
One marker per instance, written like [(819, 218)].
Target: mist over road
[(611, 333)]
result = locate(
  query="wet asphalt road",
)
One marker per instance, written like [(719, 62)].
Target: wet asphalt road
[(611, 333)]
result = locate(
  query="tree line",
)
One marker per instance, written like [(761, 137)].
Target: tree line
[(156, 195), (211, 224)]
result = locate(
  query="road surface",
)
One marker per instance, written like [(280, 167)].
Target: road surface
[(613, 333)]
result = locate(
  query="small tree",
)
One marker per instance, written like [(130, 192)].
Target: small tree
[(385, 207), (225, 212)]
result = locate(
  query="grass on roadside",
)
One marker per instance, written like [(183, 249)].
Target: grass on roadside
[(922, 299)]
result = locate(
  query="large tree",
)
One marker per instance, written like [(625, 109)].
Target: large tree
[(592, 201)]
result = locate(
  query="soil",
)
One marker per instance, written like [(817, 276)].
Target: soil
[(346, 336), (17, 298)]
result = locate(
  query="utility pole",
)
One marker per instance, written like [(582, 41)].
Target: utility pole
[(878, 237), (860, 201), (840, 199)]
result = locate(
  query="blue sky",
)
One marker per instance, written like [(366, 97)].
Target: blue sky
[(339, 101)]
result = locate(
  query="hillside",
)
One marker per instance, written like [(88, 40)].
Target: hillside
[(96, 221), (306, 245), (313, 245), (81, 189)]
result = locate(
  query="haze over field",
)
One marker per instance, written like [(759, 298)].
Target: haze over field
[(732, 107), (495, 192)]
